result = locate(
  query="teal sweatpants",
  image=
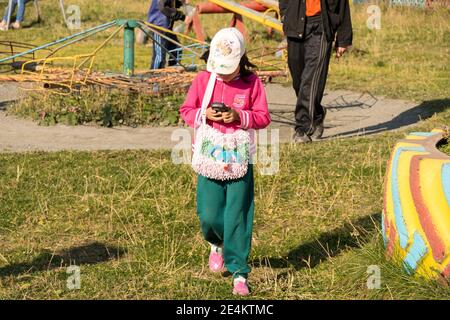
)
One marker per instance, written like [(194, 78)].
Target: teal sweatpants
[(225, 209)]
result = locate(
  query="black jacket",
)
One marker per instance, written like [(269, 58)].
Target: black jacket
[(335, 17), (169, 9)]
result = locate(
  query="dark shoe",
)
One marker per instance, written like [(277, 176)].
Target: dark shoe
[(301, 138), (226, 274), (318, 132)]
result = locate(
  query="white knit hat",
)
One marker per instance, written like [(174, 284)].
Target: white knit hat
[(226, 50)]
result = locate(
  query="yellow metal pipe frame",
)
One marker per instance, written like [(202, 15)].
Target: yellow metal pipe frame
[(173, 32), (246, 12)]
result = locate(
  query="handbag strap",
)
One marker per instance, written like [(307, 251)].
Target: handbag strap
[(208, 95)]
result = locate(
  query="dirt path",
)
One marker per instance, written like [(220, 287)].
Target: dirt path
[(349, 114)]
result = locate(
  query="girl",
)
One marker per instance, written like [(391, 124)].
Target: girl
[(225, 208)]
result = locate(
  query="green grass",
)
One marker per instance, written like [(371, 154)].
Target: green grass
[(405, 59), (316, 221), (100, 106), (316, 225)]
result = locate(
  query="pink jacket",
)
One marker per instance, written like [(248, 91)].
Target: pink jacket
[(247, 97)]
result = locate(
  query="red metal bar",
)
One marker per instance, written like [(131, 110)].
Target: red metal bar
[(197, 26), (208, 7), (238, 23)]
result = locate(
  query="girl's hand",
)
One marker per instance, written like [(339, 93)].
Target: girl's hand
[(213, 115), (231, 116)]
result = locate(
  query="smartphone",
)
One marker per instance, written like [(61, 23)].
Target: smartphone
[(219, 107)]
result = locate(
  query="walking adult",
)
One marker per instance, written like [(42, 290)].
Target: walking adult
[(311, 27)]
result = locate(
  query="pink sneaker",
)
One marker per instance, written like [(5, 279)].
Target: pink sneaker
[(240, 286), (216, 259)]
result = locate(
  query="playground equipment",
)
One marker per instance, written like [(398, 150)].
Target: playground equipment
[(416, 215), (258, 11), (62, 74), (71, 72)]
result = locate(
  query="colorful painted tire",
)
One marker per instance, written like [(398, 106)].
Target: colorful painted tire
[(416, 214)]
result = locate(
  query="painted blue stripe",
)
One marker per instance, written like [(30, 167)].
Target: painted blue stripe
[(446, 181), (423, 134), (398, 212), (417, 251), (383, 230)]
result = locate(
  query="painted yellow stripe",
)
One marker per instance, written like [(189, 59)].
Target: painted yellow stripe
[(430, 268), (390, 214), (406, 144), (412, 137), (389, 203), (434, 197)]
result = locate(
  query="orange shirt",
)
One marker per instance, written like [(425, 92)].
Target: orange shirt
[(312, 7)]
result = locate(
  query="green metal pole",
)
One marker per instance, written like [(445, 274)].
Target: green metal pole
[(128, 47)]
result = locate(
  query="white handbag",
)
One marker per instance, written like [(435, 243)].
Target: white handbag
[(217, 155)]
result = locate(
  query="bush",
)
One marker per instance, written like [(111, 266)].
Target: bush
[(101, 106)]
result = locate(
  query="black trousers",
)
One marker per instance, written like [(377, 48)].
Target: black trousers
[(308, 61)]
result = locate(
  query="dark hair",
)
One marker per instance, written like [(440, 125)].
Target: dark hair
[(245, 67)]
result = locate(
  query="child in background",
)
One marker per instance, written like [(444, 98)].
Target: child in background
[(225, 208), (20, 4), (164, 13)]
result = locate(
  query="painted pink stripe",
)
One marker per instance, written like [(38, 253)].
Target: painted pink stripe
[(392, 236), (436, 243), (446, 272)]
